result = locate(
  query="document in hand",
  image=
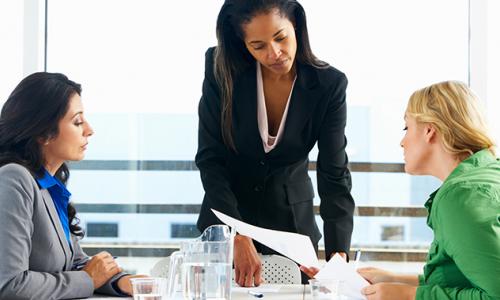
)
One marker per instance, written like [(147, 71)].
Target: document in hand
[(297, 247), (338, 268)]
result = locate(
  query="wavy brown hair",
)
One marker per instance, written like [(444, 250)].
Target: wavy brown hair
[(32, 113)]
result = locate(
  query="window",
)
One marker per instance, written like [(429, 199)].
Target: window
[(11, 54), (142, 82), (102, 230), (142, 73), (493, 67), (393, 233), (184, 231)]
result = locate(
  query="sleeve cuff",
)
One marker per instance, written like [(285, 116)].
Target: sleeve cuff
[(114, 286)]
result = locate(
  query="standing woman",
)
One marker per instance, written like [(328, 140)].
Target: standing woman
[(446, 137), (42, 125), (266, 101)]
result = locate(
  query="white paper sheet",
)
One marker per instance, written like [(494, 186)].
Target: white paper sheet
[(338, 268), (297, 247)]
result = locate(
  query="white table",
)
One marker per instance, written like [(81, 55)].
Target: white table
[(286, 292)]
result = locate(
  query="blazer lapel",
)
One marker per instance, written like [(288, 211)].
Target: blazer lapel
[(245, 126), (54, 218), (305, 95)]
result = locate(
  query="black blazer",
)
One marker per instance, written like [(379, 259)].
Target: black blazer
[(274, 190)]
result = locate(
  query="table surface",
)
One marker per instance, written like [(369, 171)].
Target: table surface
[(286, 292)]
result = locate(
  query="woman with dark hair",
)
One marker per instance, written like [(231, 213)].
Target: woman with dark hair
[(42, 125), (266, 101)]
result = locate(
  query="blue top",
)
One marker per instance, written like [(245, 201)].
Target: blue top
[(60, 195)]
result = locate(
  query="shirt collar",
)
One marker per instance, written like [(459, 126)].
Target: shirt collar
[(479, 159), (48, 181)]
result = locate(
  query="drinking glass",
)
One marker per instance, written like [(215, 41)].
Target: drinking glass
[(149, 288)]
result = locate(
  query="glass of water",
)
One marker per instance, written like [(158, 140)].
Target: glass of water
[(149, 288), (326, 289)]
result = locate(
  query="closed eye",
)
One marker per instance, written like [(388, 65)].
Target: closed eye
[(281, 38), (257, 45)]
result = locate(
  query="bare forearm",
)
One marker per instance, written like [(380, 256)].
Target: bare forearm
[(407, 279)]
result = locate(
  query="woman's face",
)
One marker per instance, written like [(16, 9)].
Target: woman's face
[(72, 139), (270, 38), (416, 146)]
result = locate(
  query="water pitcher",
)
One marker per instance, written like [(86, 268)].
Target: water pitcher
[(202, 268)]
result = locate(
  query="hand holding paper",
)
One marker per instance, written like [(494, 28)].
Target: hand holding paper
[(297, 247)]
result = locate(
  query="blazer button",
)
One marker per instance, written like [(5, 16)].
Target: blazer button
[(262, 163), (258, 188)]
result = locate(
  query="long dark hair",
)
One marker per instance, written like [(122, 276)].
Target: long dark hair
[(231, 55), (31, 114)]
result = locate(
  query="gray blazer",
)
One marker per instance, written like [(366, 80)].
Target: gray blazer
[(35, 259)]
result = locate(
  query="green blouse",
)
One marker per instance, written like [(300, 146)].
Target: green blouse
[(464, 213)]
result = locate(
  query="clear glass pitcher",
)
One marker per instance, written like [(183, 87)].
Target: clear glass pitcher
[(202, 268)]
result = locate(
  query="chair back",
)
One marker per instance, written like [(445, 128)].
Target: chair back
[(160, 269), (277, 269)]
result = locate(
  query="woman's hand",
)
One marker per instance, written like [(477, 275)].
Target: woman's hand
[(247, 264), (125, 285), (101, 268), (389, 291), (309, 271), (375, 275)]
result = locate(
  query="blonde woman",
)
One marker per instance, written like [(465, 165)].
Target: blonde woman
[(446, 137)]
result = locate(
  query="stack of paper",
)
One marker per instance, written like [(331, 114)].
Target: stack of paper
[(352, 283)]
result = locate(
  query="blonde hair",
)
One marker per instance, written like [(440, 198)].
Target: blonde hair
[(455, 111)]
